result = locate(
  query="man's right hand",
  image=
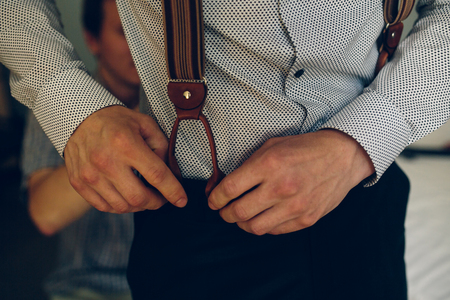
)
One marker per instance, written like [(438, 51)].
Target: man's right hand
[(103, 152)]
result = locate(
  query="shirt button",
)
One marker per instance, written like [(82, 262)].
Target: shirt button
[(299, 73)]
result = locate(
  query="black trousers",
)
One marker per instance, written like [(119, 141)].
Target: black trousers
[(355, 252)]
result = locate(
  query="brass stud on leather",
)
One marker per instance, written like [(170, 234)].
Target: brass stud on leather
[(187, 95)]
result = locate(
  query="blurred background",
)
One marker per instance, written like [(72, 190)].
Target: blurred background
[(26, 256)]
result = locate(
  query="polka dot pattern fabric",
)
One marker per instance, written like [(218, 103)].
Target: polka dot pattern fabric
[(273, 67), (46, 73)]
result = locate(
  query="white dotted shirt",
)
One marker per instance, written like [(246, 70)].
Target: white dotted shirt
[(273, 67)]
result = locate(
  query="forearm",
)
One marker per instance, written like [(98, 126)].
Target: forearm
[(52, 202)]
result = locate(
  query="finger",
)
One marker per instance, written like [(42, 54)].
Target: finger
[(101, 204), (153, 136), (303, 220), (107, 191), (248, 206), (157, 174), (94, 195), (290, 226), (115, 204), (95, 199), (89, 194), (234, 185), (270, 219), (137, 194)]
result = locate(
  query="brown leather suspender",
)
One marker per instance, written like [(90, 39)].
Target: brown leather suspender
[(394, 14), (185, 57)]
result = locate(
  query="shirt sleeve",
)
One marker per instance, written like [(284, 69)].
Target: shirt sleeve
[(410, 96), (46, 73)]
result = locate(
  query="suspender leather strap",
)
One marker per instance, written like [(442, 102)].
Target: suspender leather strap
[(185, 58), (395, 13)]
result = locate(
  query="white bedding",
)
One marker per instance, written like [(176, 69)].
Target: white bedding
[(428, 221)]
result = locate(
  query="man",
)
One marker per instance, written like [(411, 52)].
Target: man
[(277, 72), (94, 246)]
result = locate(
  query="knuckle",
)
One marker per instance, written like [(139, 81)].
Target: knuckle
[(154, 205), (161, 143), (122, 208), (227, 218), (76, 183), (257, 229), (156, 175), (286, 189), (240, 212), (295, 208), (120, 140), (229, 187), (101, 207), (88, 176), (307, 221), (100, 160), (136, 200), (272, 160), (172, 193)]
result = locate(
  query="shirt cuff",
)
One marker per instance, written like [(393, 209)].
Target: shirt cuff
[(66, 101), (377, 125)]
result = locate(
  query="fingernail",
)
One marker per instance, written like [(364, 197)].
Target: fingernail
[(181, 202)]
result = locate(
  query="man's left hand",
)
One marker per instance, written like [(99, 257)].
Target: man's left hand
[(291, 182)]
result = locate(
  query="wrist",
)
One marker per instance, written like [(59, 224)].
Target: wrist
[(361, 165)]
